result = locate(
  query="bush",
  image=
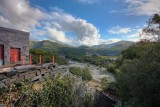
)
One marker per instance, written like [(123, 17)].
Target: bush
[(88, 100), (84, 73), (111, 68), (105, 83), (53, 92)]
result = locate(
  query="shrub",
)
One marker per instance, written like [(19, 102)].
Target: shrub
[(111, 68), (84, 73), (53, 92)]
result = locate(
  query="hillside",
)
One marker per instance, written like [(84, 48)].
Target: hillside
[(109, 49), (121, 45), (32, 44), (47, 45)]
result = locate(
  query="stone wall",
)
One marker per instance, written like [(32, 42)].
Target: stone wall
[(16, 39), (99, 99), (38, 72), (33, 73), (102, 101), (28, 72)]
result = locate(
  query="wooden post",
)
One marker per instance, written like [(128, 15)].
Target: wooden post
[(30, 59), (40, 59), (53, 59), (22, 59)]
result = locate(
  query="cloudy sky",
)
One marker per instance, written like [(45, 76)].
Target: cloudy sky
[(78, 22)]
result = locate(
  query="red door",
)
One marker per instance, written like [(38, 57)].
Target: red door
[(14, 55), (1, 53)]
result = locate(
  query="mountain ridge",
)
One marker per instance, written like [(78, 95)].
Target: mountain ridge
[(104, 49), (118, 44)]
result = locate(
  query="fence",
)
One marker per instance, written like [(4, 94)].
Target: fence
[(40, 59), (33, 59)]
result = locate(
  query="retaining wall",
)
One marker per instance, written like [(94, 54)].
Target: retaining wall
[(28, 72)]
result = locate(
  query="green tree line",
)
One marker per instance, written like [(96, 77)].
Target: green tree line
[(46, 57)]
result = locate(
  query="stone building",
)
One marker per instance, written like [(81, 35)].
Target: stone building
[(14, 46)]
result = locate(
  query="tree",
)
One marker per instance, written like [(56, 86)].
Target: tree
[(138, 80), (152, 31)]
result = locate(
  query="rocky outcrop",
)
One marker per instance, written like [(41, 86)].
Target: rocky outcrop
[(29, 72)]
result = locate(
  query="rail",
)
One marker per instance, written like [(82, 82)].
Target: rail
[(22, 62)]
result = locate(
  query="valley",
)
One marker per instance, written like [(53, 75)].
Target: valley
[(79, 53), (97, 72)]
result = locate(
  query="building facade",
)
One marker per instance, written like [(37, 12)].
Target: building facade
[(14, 46)]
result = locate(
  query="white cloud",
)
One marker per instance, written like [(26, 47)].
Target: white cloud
[(119, 30), (143, 7), (19, 14), (85, 33), (102, 41), (129, 34), (54, 34), (88, 1), (113, 11), (108, 41), (4, 21), (113, 40), (135, 36)]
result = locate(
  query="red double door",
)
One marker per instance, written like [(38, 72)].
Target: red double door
[(14, 55)]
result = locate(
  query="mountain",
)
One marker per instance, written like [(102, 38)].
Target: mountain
[(121, 45), (47, 45), (32, 43), (109, 49)]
